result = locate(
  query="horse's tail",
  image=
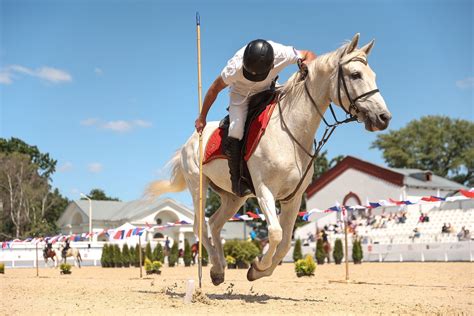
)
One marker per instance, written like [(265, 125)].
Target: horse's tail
[(176, 183)]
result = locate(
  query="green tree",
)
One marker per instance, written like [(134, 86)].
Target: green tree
[(297, 251), (125, 256), (99, 195), (137, 256), (103, 258), (131, 256), (357, 253), (187, 256), (45, 163), (117, 257), (158, 254), (440, 144), (173, 256), (148, 253), (338, 253), (320, 253)]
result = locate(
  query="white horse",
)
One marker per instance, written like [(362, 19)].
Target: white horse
[(71, 252), (280, 167)]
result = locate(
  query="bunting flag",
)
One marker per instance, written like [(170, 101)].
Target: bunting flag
[(129, 233), (468, 194), (253, 215), (119, 234)]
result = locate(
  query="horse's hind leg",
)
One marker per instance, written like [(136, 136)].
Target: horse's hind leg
[(229, 206)]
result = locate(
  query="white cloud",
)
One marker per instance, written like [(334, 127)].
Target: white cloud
[(49, 74), (98, 71), (65, 167), (119, 126), (466, 83), (95, 167)]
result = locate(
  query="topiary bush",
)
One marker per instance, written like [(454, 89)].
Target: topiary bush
[(205, 257), (117, 257), (297, 251), (305, 267), (320, 254), (244, 252), (357, 253), (2, 268), (136, 259), (231, 262), (103, 258), (338, 253), (131, 257), (148, 253), (125, 256), (65, 268), (187, 256), (173, 256), (158, 254)]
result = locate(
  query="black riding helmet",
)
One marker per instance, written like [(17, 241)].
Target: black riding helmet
[(258, 60)]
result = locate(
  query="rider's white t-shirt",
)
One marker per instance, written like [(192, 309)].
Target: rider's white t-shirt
[(233, 75)]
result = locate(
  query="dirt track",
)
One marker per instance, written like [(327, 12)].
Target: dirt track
[(401, 288)]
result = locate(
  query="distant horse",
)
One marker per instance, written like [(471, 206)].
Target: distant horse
[(71, 252), (327, 250), (50, 254), (281, 166)]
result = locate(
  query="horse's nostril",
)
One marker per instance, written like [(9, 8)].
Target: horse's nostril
[(384, 117)]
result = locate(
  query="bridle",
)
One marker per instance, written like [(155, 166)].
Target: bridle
[(318, 145)]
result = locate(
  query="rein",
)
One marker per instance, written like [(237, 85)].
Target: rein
[(329, 127)]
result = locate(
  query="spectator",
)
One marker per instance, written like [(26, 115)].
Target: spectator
[(253, 233), (422, 218), (426, 219), (444, 229), (416, 234), (464, 234), (450, 229)]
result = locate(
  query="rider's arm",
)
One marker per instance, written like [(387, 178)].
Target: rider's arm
[(217, 86)]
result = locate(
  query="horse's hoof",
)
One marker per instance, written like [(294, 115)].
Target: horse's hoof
[(217, 278), (252, 273)]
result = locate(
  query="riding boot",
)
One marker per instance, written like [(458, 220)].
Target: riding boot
[(232, 149)]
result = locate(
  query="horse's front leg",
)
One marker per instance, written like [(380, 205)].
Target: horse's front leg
[(229, 205), (289, 212), (266, 201)]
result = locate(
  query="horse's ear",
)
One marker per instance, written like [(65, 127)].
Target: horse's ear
[(367, 48), (353, 44)]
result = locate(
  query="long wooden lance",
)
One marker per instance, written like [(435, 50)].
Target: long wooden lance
[(201, 217)]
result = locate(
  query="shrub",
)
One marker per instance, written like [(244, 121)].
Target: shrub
[(357, 253), (157, 266), (305, 267), (136, 259), (131, 257), (103, 258), (230, 260), (117, 256), (173, 256), (297, 252), (65, 268), (158, 254), (148, 253), (205, 256), (320, 254), (125, 256), (244, 252), (2, 268), (338, 253), (148, 265), (187, 256)]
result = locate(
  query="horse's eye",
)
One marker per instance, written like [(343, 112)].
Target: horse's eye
[(356, 75)]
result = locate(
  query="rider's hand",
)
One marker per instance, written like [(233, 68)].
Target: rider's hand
[(200, 124)]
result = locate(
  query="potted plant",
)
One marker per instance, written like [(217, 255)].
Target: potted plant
[(297, 252), (230, 262), (244, 252), (305, 267), (357, 253), (157, 267), (338, 253), (187, 256), (320, 254), (65, 268)]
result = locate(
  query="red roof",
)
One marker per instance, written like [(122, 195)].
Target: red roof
[(350, 162)]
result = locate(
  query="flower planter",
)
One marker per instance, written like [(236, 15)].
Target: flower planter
[(153, 272), (242, 265), (231, 266), (65, 272)]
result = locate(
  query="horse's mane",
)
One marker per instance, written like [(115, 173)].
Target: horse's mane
[(295, 84)]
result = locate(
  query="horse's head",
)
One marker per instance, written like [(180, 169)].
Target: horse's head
[(354, 89)]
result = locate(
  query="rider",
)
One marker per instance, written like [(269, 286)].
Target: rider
[(66, 247), (251, 70), (47, 247)]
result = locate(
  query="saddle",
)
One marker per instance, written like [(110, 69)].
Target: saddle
[(260, 110)]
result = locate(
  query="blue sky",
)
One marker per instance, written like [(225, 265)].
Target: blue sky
[(109, 88)]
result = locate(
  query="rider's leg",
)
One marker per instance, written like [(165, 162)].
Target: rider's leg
[(233, 145)]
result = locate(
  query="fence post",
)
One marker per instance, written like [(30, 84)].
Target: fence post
[(37, 269)]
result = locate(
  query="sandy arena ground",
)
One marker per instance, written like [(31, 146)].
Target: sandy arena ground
[(400, 288)]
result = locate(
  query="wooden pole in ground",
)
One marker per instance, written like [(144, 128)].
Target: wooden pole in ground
[(201, 217), (140, 254), (37, 269)]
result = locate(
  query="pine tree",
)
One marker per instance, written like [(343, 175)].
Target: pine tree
[(125, 256), (148, 253), (320, 254), (297, 252), (205, 256), (103, 258), (131, 257), (338, 253), (357, 253), (137, 256), (173, 256), (187, 256), (117, 256), (158, 254)]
